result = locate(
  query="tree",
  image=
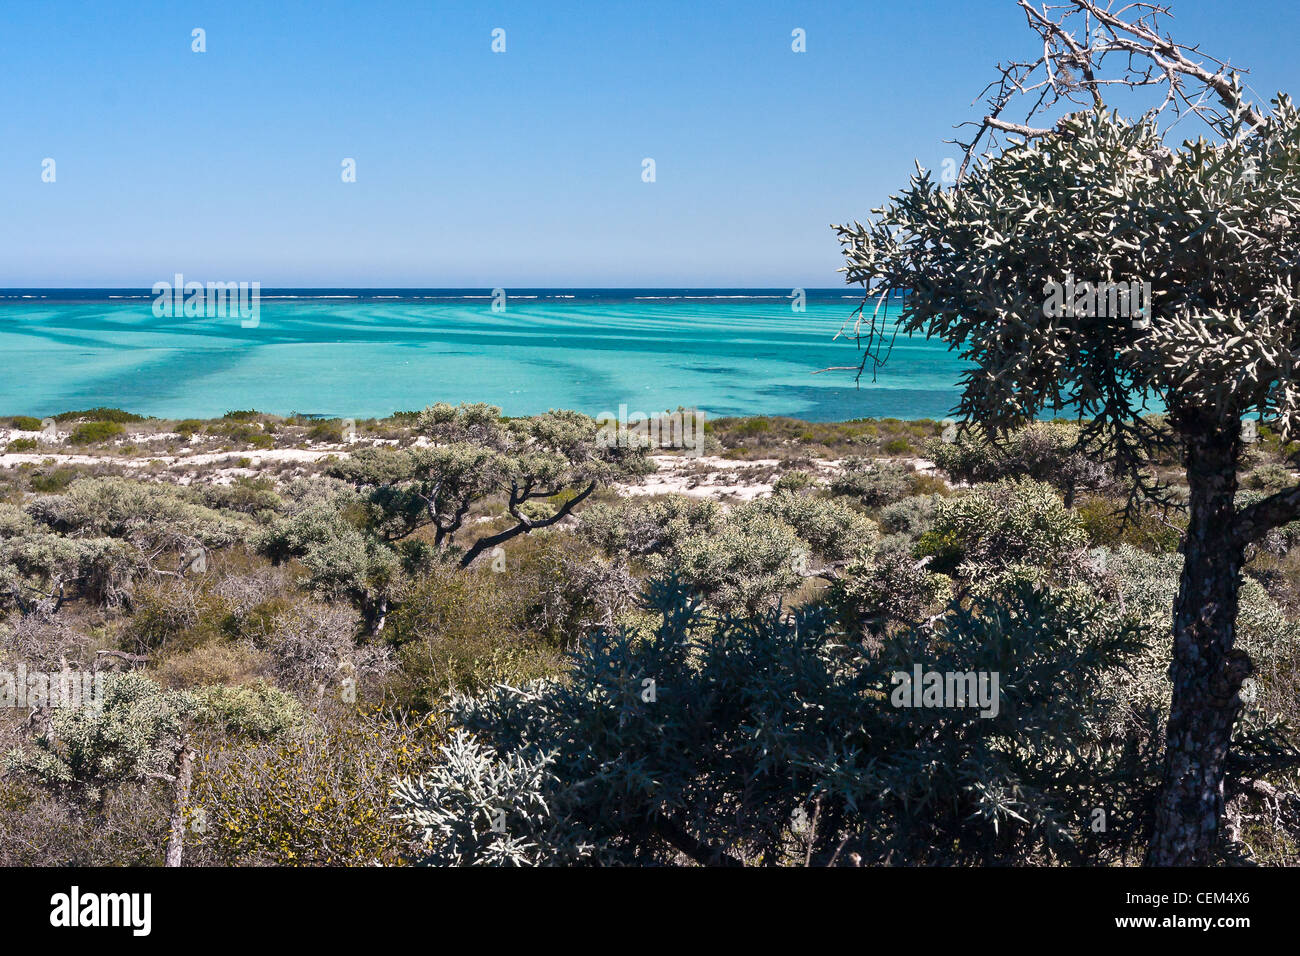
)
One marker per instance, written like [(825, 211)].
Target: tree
[(474, 455), (137, 732), (1104, 202)]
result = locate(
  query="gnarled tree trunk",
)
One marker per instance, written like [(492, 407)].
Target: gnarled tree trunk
[(1207, 672), (180, 800)]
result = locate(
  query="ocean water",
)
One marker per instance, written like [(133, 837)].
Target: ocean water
[(362, 354)]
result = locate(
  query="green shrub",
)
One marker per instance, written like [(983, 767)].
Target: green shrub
[(1002, 526), (52, 481), (912, 516), (326, 432), (1043, 451), (95, 433), (25, 423), (795, 481), (114, 415), (722, 744), (872, 483), (1271, 478), (1106, 525), (317, 796), (462, 632)]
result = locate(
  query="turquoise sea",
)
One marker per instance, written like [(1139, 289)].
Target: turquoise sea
[(368, 353)]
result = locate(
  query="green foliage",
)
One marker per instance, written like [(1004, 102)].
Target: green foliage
[(1045, 451), (316, 796), (112, 415), (1106, 524), (1103, 200), (133, 733), (95, 433), (1272, 477), (744, 559), (722, 744), (873, 483), (25, 423), (247, 495), (242, 432), (476, 454), (344, 561), (152, 517), (1002, 527), (746, 565), (887, 589), (461, 632), (911, 516), (327, 432), (797, 481), (53, 480), (257, 710), (831, 530)]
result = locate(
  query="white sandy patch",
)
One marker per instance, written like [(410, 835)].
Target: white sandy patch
[(707, 476), (711, 476), (255, 458)]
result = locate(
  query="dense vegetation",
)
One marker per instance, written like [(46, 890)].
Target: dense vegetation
[(311, 658)]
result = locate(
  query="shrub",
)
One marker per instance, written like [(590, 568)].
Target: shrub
[(1270, 478), (315, 797), (112, 415), (52, 481), (747, 565), (723, 745), (887, 589), (88, 750), (256, 709), (326, 432), (154, 517), (462, 632), (1003, 525), (1106, 525), (246, 495), (25, 423), (795, 481), (872, 483), (911, 516), (95, 433), (831, 529), (1043, 451), (213, 664)]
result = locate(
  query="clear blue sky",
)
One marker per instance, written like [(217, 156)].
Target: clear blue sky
[(482, 169)]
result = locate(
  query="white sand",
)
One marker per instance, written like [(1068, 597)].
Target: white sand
[(708, 476)]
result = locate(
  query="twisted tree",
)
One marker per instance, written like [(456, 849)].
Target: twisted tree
[(1091, 202)]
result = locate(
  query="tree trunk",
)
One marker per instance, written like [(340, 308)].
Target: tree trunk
[(184, 775), (1207, 672)]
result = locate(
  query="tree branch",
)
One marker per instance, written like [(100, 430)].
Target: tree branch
[(1253, 522), (525, 525)]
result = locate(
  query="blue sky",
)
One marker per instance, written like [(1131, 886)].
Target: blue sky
[(482, 169)]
